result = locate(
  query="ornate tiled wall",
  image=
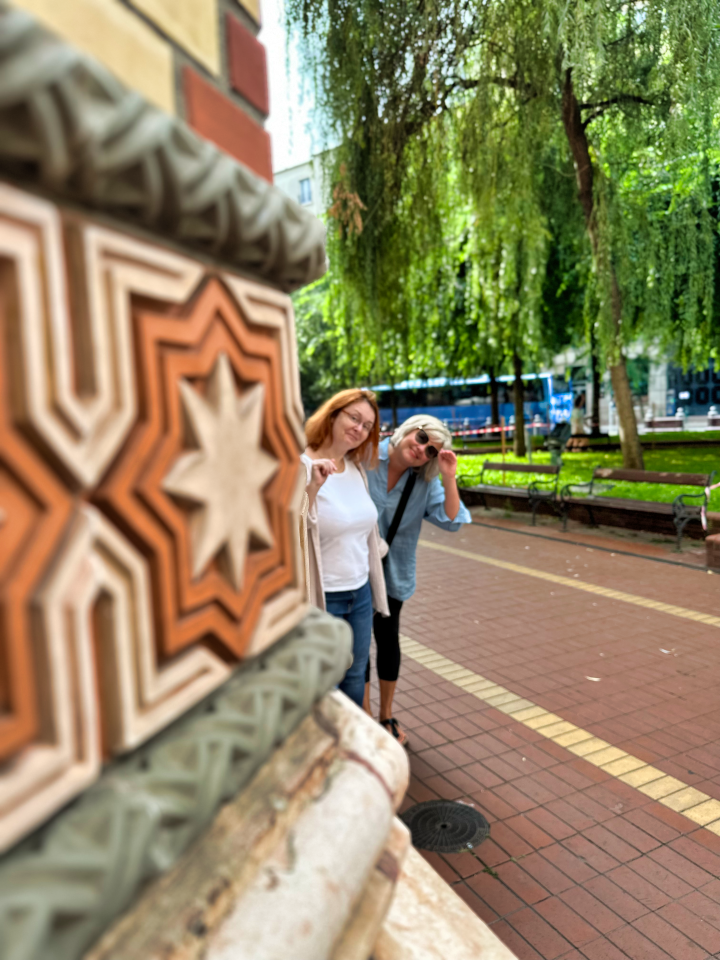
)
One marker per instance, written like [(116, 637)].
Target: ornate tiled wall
[(150, 416), (199, 59)]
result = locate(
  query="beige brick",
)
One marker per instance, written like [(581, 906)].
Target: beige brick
[(644, 774), (192, 24), (541, 720), (662, 788), (600, 757), (705, 813), (624, 765), (572, 736), (588, 746), (117, 38), (684, 799)]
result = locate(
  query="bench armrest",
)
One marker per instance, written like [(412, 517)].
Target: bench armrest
[(567, 490), (682, 497)]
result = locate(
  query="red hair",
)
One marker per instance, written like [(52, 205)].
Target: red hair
[(318, 427)]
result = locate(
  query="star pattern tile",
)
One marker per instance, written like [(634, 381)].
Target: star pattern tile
[(224, 478)]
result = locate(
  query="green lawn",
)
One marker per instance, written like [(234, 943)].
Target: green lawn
[(578, 468)]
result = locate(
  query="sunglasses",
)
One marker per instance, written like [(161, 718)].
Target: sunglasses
[(423, 439)]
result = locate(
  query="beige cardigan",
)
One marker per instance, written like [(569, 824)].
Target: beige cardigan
[(310, 541)]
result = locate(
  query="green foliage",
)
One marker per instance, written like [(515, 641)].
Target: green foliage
[(452, 120)]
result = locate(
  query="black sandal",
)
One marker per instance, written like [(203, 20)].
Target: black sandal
[(392, 726)]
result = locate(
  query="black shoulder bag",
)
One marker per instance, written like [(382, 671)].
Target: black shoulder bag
[(405, 496)]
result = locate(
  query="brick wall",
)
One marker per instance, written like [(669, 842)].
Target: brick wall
[(199, 59)]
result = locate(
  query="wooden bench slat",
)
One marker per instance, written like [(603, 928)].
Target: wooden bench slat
[(652, 476), (549, 468)]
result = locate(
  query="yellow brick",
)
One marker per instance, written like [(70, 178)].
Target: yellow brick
[(662, 788), (638, 777), (475, 686), (494, 691), (515, 706), (588, 746), (705, 813), (572, 736), (684, 799), (557, 728), (502, 698), (600, 757), (524, 715), (117, 38), (542, 720), (623, 765), (192, 24), (714, 827), (253, 8)]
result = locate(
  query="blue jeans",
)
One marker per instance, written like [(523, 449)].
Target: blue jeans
[(355, 607)]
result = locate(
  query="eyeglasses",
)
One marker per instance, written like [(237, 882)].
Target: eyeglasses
[(357, 421), (423, 439)]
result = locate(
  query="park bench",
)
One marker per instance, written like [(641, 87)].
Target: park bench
[(682, 509), (665, 423), (538, 491)]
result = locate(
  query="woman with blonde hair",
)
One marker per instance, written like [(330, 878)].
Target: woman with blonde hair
[(406, 489), (344, 547)]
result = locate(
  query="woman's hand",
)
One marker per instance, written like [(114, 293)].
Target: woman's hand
[(321, 470), (447, 461)]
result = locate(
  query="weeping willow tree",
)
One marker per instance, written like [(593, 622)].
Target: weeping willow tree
[(438, 99)]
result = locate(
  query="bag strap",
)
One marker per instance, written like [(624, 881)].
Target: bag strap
[(407, 490)]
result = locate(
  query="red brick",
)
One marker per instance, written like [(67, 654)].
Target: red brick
[(570, 815), (566, 921), (545, 873), (699, 930), (602, 949), (443, 788), (639, 888), (669, 938), (464, 864), (511, 842), (621, 827), (702, 907), (592, 855), (512, 939), (547, 941), (564, 860), (551, 824), (247, 65), (495, 894), (513, 797), (681, 867), (440, 866), (215, 117), (589, 907), (662, 878), (521, 883), (616, 899), (529, 831), (490, 853), (611, 843), (651, 825), (636, 946)]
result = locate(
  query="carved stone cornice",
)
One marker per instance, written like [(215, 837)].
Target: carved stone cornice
[(71, 129), (61, 888)]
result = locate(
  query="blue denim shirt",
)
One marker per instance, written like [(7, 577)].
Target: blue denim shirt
[(427, 502)]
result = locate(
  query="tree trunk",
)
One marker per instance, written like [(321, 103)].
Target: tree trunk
[(577, 139), (519, 401), (494, 400), (595, 369)]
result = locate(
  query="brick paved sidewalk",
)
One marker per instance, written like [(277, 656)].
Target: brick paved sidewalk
[(579, 864)]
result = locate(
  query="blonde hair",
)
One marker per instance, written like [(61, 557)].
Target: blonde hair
[(318, 427), (436, 430)]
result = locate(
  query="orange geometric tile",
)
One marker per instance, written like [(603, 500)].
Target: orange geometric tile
[(184, 344)]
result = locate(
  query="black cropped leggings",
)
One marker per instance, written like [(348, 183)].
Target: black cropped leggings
[(387, 638)]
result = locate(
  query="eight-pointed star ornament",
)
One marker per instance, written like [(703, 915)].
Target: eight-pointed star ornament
[(226, 475)]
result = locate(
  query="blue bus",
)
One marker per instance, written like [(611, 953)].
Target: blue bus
[(464, 403)]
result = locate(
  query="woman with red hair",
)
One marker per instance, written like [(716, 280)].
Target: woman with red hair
[(344, 546)]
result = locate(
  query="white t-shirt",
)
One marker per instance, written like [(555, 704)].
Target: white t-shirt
[(346, 516)]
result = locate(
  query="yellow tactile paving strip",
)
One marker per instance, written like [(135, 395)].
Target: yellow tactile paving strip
[(668, 608), (672, 793)]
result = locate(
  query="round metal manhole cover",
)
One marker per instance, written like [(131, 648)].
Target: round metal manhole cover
[(445, 826)]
